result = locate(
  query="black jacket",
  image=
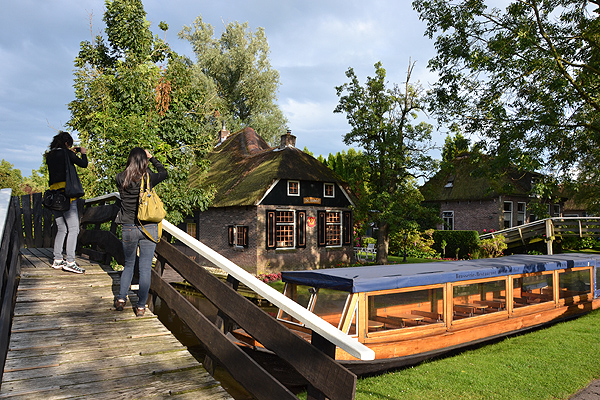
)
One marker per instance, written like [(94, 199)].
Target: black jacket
[(55, 159), (129, 197)]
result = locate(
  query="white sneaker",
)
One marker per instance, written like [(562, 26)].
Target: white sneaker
[(58, 264), (72, 267)]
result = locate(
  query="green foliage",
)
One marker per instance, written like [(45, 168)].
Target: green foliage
[(10, 178), (241, 79), (394, 150), (464, 243), (578, 243), (417, 244), (525, 78), (493, 247), (454, 146), (368, 240), (135, 91)]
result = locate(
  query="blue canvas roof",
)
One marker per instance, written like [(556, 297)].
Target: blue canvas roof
[(383, 277)]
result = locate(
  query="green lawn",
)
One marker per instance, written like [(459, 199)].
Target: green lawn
[(551, 363)]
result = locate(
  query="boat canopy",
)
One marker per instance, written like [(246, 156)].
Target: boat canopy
[(384, 277)]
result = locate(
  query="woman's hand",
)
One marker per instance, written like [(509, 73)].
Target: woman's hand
[(148, 154), (83, 150)]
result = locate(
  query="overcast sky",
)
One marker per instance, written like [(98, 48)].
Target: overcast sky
[(312, 45)]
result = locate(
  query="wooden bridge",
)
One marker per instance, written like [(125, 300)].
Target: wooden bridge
[(67, 342), (548, 230)]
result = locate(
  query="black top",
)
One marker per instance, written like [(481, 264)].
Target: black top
[(130, 196), (55, 159)]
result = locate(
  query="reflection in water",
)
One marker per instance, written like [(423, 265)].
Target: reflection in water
[(188, 339)]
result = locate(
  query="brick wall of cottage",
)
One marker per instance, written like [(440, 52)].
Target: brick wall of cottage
[(483, 215), (475, 215), (212, 227)]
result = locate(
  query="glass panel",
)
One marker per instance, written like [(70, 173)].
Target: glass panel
[(329, 305), (532, 290), (598, 278), (478, 298), (301, 295), (573, 283), (333, 229), (400, 310)]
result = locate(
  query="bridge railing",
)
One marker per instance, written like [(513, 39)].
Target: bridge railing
[(9, 267), (549, 228), (326, 378)]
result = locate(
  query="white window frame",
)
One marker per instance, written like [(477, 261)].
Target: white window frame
[(504, 213), (325, 189), (288, 188), (341, 225), (235, 236), (293, 224), (450, 216)]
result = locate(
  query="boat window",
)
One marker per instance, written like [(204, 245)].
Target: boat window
[(326, 303), (302, 295), (532, 289), (405, 309), (574, 283), (480, 298)]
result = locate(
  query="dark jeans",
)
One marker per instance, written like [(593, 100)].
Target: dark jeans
[(134, 238)]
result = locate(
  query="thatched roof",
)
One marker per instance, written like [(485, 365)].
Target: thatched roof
[(244, 167), (465, 180)]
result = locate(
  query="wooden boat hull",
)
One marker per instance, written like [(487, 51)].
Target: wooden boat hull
[(393, 354), (413, 351)]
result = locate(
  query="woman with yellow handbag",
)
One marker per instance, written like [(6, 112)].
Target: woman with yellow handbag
[(137, 234)]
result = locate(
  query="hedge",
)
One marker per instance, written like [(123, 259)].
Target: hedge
[(467, 242)]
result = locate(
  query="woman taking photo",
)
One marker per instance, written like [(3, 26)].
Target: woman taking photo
[(133, 235), (67, 222)]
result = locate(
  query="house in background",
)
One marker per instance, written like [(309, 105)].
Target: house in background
[(274, 208), (471, 201)]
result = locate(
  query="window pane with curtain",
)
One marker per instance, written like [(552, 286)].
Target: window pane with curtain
[(333, 228), (284, 221)]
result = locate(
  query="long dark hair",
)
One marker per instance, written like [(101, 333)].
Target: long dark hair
[(137, 164), (62, 140)]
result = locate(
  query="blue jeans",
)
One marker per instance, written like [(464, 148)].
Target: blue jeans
[(67, 223), (133, 238)]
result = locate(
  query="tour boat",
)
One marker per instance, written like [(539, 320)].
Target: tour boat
[(410, 312)]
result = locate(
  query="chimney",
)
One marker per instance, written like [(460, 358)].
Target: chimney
[(288, 140), (223, 133)]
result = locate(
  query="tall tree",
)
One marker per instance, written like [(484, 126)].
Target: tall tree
[(395, 151), (11, 178), (133, 90), (526, 78), (238, 66)]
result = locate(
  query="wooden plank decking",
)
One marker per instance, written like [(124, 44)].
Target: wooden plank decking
[(67, 341)]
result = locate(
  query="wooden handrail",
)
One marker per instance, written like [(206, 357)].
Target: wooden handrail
[(351, 345)]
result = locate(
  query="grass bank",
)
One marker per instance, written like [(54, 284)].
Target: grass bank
[(550, 363)]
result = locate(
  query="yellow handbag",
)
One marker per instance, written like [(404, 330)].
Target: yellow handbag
[(150, 208)]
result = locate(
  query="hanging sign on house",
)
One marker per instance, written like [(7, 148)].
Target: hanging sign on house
[(312, 200)]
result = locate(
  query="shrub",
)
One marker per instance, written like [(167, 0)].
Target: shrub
[(417, 244), (494, 247), (463, 244)]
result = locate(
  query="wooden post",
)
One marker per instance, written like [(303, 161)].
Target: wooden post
[(329, 349), (549, 236)]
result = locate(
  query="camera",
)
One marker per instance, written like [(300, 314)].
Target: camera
[(77, 149)]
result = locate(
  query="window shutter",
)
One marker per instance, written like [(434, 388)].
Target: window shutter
[(230, 235), (244, 236), (270, 234), (347, 227), (321, 229), (300, 229)]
